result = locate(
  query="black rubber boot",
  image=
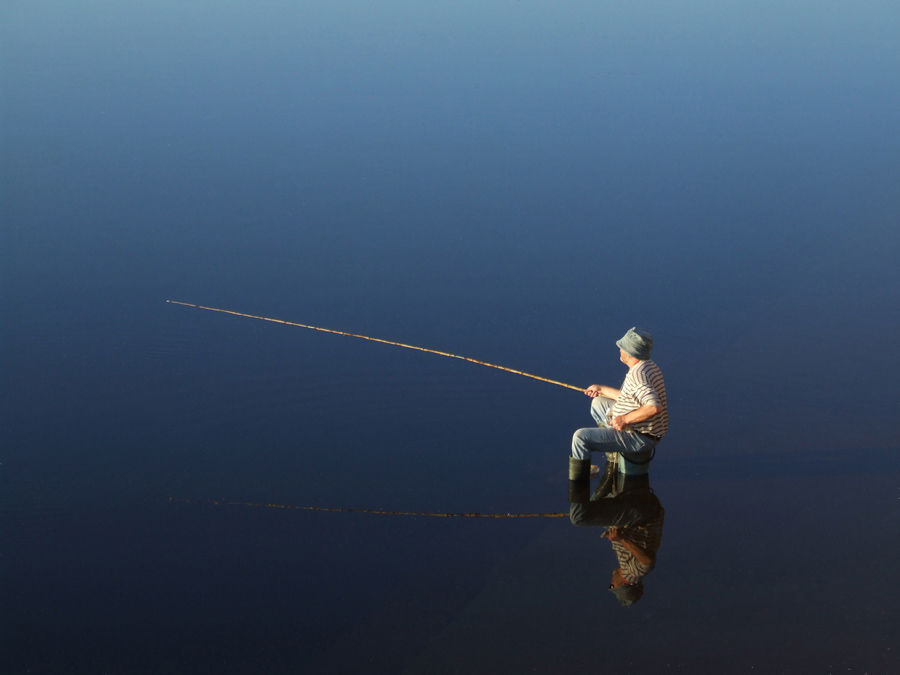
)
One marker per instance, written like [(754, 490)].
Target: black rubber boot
[(579, 468), (579, 480)]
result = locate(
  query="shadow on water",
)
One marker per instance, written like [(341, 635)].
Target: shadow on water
[(633, 517)]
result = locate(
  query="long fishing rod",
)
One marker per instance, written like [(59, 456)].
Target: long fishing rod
[(387, 342), (215, 502)]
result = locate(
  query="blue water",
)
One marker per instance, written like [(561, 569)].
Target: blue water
[(510, 181)]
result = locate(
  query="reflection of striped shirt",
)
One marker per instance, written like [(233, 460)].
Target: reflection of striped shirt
[(647, 537), (644, 385)]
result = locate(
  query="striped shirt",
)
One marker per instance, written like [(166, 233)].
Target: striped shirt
[(644, 385), (647, 536)]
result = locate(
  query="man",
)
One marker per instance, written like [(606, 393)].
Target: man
[(632, 420)]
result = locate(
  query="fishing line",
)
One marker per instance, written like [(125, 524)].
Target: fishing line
[(387, 342), (215, 502)]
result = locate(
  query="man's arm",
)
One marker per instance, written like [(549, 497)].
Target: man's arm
[(596, 390), (645, 412), (613, 534)]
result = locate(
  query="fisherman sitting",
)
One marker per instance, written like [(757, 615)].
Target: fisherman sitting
[(631, 420)]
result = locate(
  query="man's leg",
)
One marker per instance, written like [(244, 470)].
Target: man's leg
[(595, 439), (606, 439), (600, 410)]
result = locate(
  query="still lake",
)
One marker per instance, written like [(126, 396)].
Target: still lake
[(514, 182)]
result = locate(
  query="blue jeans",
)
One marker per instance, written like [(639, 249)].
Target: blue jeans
[(606, 439)]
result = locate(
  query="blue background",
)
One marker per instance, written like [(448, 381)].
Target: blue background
[(509, 181)]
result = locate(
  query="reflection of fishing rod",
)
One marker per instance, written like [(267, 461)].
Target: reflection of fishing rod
[(387, 342), (215, 502)]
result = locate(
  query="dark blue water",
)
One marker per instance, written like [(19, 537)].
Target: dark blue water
[(508, 181)]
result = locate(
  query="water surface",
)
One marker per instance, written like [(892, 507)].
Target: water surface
[(503, 180)]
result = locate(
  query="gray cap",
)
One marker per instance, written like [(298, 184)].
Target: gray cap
[(628, 595), (637, 342)]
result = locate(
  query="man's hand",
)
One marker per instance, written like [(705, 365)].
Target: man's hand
[(596, 390), (618, 423)]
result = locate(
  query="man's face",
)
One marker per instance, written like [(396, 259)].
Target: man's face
[(623, 356), (617, 578)]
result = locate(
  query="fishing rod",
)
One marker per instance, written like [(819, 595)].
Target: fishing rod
[(386, 342), (216, 502)]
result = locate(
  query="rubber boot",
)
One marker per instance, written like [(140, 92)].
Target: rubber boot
[(579, 480), (607, 480), (579, 468)]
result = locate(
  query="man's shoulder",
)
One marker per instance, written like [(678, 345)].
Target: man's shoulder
[(648, 373), (646, 366)]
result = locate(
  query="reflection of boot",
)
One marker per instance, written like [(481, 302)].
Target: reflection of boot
[(607, 481), (626, 483), (611, 458), (579, 480)]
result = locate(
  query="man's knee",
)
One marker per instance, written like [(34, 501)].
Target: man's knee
[(580, 437), (579, 446), (599, 408)]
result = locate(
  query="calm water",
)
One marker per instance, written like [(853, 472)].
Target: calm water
[(510, 181)]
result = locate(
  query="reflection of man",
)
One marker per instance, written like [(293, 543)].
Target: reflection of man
[(634, 517), (633, 419)]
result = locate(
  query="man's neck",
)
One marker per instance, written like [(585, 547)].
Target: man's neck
[(631, 362)]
